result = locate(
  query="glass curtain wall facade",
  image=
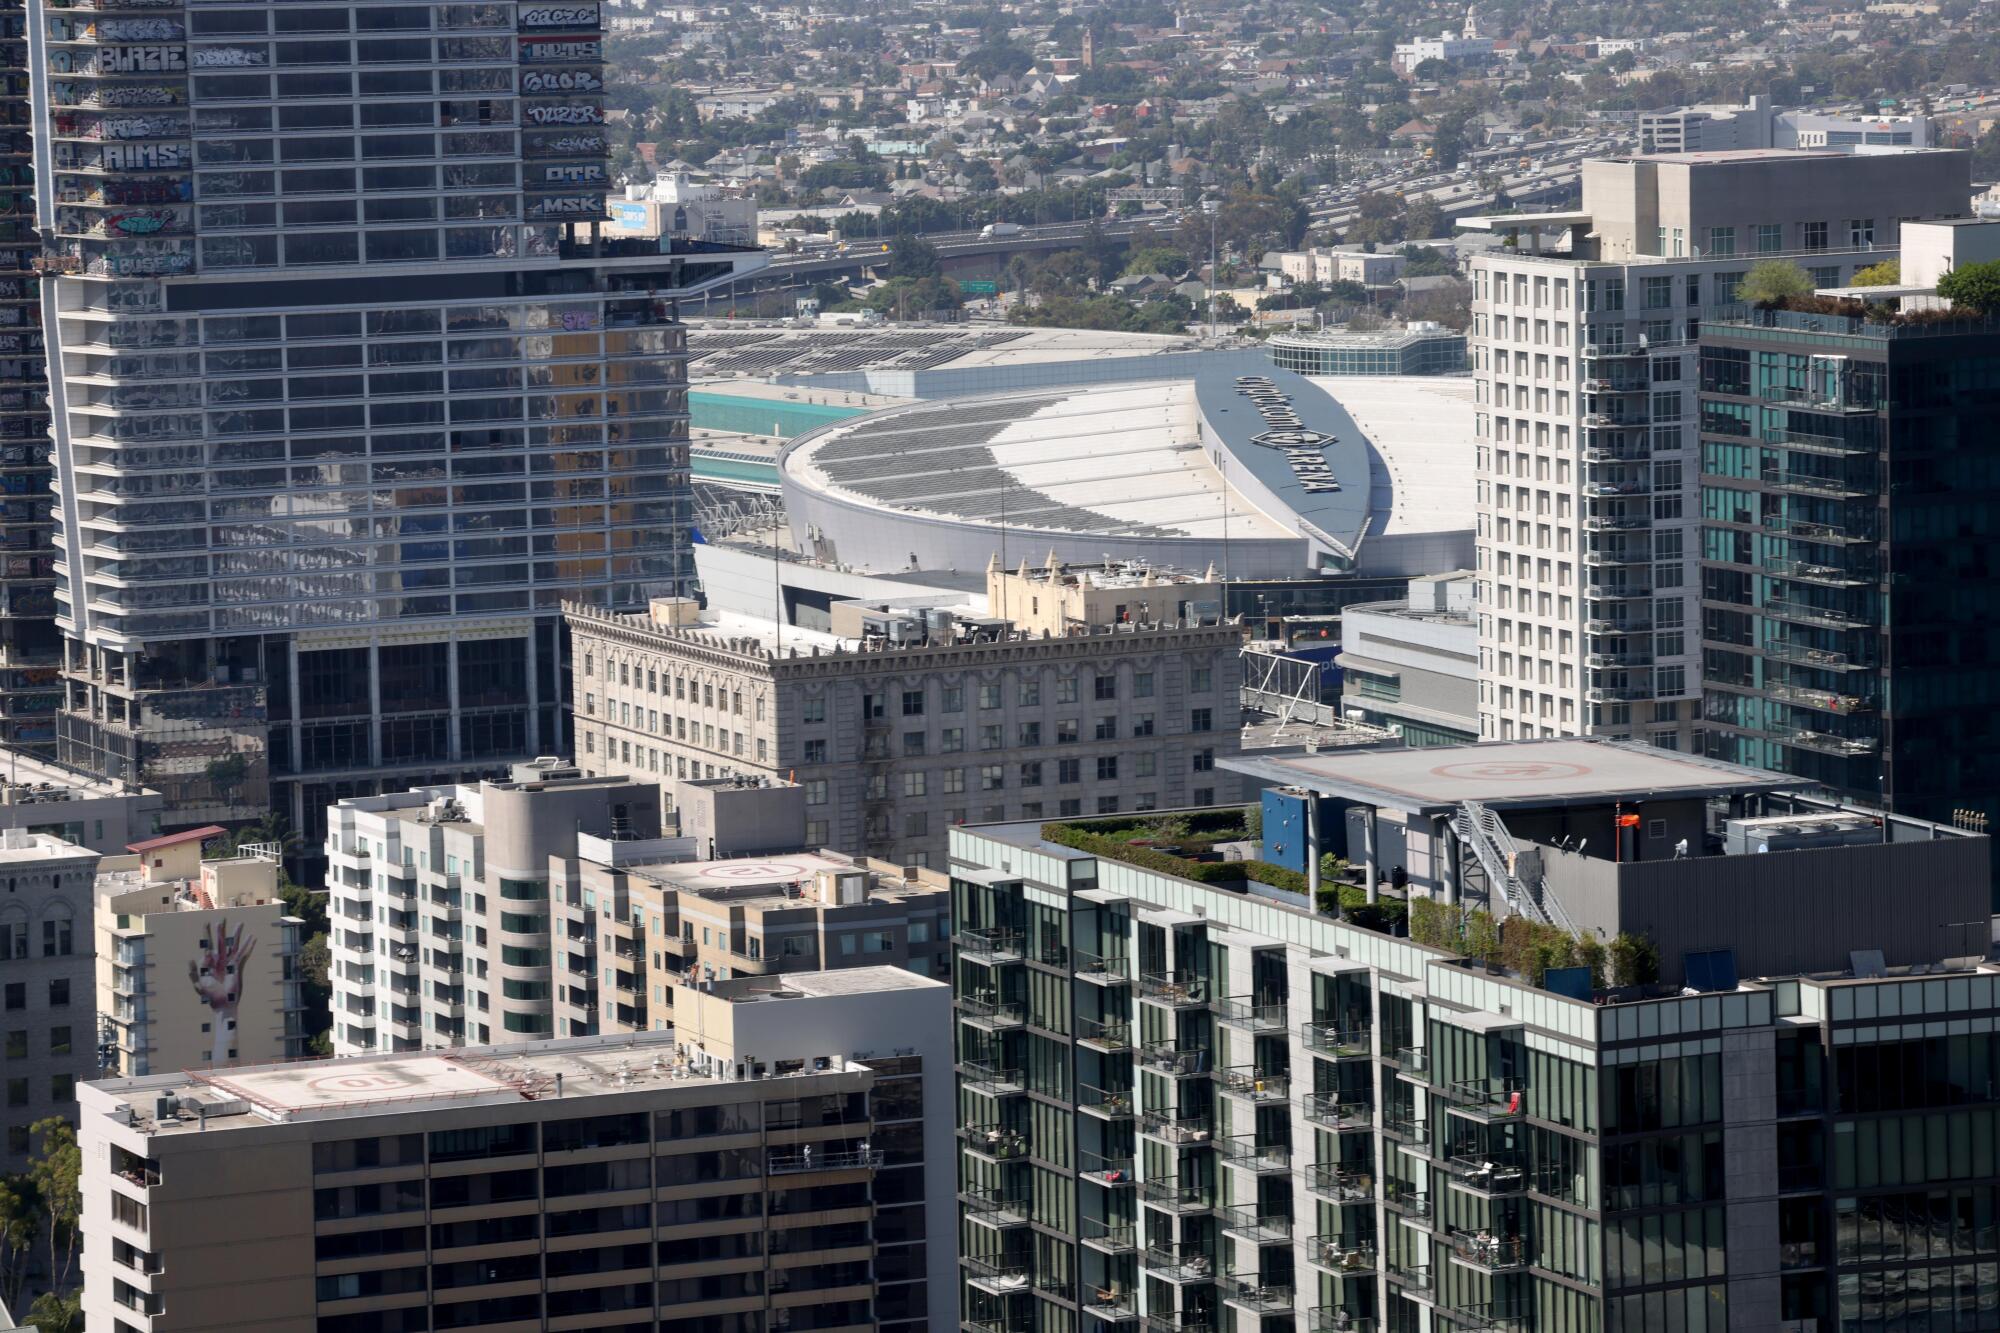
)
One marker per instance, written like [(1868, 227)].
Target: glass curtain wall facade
[(1849, 594), (1185, 1109), (30, 650), (350, 393)]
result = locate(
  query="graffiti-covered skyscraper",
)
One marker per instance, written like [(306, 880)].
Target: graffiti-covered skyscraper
[(349, 394)]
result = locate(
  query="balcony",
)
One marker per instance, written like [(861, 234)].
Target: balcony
[(1114, 1172), (1243, 1151), (1806, 483), (1413, 1278), (1245, 1222), (1103, 969), (810, 1159), (1175, 1060), (1824, 701), (1110, 1035), (1112, 1305), (990, 1080), (1189, 1321), (994, 1143), (1820, 742), (1330, 1110), (1254, 1084), (1485, 1099), (1177, 1263), (1250, 1293), (1407, 1127), (990, 944), (1105, 1103), (1170, 1195), (1824, 575), (992, 1015), (1414, 1205), (996, 1276), (995, 1208), (1342, 1256), (1242, 1011), (1800, 613), (1338, 1319), (1329, 1039), (1488, 1253), (1819, 659), (1180, 990), (1340, 1182), (1489, 1175), (1173, 1127), (1413, 1063), (1108, 1238), (1489, 1317)]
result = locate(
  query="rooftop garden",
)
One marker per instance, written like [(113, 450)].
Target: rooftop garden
[(1778, 287), (1188, 844)]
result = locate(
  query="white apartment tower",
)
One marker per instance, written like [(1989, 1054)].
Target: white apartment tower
[(348, 391), (1583, 351)]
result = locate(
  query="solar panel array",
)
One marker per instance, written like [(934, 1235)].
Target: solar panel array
[(940, 460), (827, 353)]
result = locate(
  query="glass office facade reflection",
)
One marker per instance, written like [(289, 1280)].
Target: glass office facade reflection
[(352, 394), (1848, 586)]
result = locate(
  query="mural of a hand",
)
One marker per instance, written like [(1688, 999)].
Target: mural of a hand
[(218, 980)]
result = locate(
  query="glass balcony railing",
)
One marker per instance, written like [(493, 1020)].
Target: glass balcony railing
[(1336, 1041), (1175, 1060), (1182, 990), (1250, 1291), (1348, 1257), (990, 944), (1112, 1171), (1175, 1127), (1258, 1085), (1338, 1319), (991, 1014), (1245, 1011), (1102, 969), (1109, 1103), (1341, 1182), (1333, 1111), (1112, 1035), (1112, 1238), (1176, 1196), (990, 1079), (999, 1143), (1178, 1263), (1248, 1222), (1244, 1151), (1487, 1099), (1489, 1253)]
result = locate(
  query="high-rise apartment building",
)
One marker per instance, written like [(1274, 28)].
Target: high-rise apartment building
[(903, 721), (1196, 1110), (601, 926), (1588, 454), (46, 1024), (439, 907), (1846, 590), (197, 960), (349, 393), (758, 1176), (640, 928)]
